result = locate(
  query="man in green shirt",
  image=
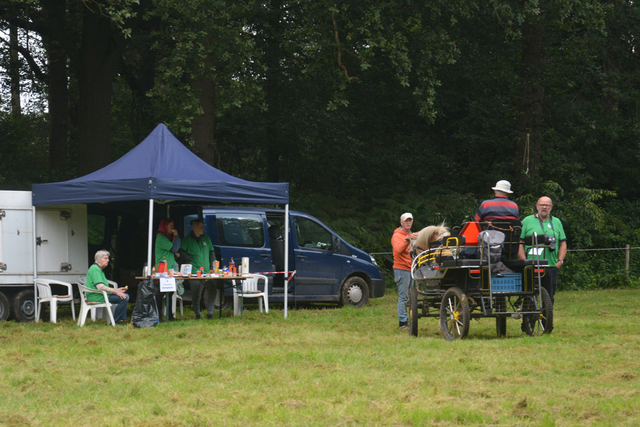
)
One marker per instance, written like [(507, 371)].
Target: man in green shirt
[(544, 223), (98, 281), (198, 245)]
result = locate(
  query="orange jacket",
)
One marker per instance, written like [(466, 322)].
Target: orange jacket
[(401, 258)]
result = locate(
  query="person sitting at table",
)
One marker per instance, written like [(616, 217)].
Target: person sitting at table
[(199, 246), (98, 281), (167, 246)]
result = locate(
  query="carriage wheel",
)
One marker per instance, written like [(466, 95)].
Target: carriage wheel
[(501, 322), (454, 315), (413, 311), (538, 324)]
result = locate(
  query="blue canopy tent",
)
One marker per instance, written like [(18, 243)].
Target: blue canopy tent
[(161, 168)]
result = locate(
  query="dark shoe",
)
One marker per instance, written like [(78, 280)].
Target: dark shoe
[(209, 316), (403, 325), (198, 317), (121, 322)]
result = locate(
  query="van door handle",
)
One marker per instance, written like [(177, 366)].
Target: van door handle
[(302, 256), (265, 255)]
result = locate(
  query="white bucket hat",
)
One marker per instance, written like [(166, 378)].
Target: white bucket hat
[(405, 216), (504, 186)]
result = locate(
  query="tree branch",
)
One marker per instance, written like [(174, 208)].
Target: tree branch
[(339, 51)]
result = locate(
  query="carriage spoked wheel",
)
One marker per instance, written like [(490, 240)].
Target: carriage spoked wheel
[(536, 325), (413, 311), (454, 315)]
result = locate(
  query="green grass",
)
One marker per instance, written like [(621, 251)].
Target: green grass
[(326, 366)]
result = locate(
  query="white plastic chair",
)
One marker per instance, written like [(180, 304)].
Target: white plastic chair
[(250, 289), (43, 295), (86, 306), (174, 299), (99, 312)]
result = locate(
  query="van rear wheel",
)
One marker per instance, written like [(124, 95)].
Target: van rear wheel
[(355, 292)]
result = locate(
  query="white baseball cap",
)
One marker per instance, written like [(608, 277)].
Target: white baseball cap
[(504, 186), (405, 216)]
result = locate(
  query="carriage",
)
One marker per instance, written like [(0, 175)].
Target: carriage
[(472, 274)]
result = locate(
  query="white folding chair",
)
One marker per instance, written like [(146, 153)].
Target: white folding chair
[(249, 289), (86, 306), (44, 294)]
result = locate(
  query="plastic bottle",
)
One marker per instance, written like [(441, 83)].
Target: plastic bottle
[(162, 267), (200, 271), (172, 272), (232, 266)]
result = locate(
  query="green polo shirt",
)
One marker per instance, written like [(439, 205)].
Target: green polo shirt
[(199, 250), (95, 275), (532, 224)]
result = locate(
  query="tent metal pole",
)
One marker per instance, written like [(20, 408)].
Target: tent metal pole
[(150, 239), (286, 259), (35, 256)]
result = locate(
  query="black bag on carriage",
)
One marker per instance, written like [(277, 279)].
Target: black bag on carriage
[(492, 242)]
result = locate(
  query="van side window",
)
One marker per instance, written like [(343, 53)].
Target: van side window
[(243, 231), (311, 235)]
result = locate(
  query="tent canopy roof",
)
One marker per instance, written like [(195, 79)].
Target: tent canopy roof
[(160, 168)]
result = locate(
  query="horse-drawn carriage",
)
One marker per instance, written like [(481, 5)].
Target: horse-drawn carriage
[(476, 273)]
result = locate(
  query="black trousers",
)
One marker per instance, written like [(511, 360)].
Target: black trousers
[(550, 281)]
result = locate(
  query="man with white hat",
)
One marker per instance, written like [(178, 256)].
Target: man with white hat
[(500, 207), (402, 265)]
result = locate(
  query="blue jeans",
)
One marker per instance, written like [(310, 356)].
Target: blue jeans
[(403, 281), (121, 309)]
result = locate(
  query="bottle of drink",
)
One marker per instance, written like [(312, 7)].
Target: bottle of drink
[(162, 267), (200, 272), (232, 266), (172, 271)]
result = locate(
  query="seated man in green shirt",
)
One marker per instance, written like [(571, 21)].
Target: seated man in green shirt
[(98, 281), (198, 245)]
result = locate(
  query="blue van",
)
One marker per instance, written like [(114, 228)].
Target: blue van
[(328, 269)]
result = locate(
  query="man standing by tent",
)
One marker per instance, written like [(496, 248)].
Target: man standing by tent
[(402, 265), (198, 245)]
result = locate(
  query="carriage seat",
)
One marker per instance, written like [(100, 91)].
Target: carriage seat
[(520, 264)]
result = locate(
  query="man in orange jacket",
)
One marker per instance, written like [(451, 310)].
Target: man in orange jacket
[(402, 265)]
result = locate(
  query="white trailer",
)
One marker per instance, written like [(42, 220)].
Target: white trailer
[(52, 238)]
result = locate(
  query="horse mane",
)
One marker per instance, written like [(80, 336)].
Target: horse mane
[(427, 235)]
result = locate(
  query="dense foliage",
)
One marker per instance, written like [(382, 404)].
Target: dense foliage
[(368, 108)]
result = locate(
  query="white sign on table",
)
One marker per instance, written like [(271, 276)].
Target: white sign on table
[(167, 284)]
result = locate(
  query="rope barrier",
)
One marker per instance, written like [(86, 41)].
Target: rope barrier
[(292, 273)]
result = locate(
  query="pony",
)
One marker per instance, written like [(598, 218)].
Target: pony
[(427, 235)]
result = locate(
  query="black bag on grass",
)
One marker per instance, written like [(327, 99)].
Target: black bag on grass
[(145, 312)]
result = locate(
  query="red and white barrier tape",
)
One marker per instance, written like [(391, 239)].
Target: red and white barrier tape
[(292, 273)]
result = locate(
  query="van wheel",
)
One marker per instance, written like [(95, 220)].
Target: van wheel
[(23, 307), (4, 307), (355, 292)]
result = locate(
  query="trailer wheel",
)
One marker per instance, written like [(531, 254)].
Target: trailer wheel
[(355, 292), (537, 324), (23, 307), (454, 315), (4, 307), (413, 311)]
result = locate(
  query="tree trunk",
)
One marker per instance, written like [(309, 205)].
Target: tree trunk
[(14, 71), (530, 122), (202, 127), (58, 90), (100, 52)]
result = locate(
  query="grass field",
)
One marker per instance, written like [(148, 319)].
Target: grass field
[(327, 366)]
